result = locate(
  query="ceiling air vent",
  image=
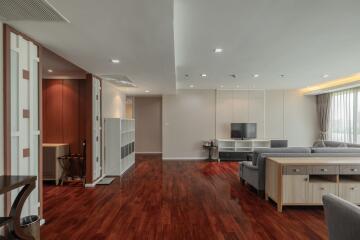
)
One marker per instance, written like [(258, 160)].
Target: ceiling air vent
[(119, 80), (29, 10)]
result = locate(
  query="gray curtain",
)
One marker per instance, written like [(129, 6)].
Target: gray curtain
[(323, 110)]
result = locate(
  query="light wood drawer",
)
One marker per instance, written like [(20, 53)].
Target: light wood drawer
[(350, 192), (324, 169), (350, 169), (318, 189), (295, 170)]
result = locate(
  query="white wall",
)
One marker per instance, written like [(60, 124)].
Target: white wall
[(113, 102), (188, 119), (1, 116)]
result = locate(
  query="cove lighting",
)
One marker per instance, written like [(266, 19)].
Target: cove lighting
[(345, 82)]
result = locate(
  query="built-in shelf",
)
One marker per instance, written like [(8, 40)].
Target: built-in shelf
[(119, 145)]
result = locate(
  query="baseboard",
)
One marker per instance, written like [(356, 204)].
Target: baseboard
[(184, 158), (148, 152), (93, 184)]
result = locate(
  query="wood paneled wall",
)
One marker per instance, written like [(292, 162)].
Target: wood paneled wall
[(64, 112)]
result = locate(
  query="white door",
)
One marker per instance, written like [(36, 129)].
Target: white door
[(96, 129), (24, 108)]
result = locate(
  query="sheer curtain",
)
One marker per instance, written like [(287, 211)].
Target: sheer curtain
[(343, 115)]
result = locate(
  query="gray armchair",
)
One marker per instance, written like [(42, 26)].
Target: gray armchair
[(253, 172), (342, 218)]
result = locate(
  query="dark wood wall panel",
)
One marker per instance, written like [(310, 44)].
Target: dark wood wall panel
[(63, 113), (53, 124)]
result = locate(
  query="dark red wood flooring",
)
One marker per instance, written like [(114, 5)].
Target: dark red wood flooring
[(174, 200)]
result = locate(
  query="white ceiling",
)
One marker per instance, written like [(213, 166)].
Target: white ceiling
[(300, 39), (60, 67), (138, 32)]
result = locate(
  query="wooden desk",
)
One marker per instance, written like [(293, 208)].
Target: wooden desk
[(8, 183), (52, 169), (304, 180)]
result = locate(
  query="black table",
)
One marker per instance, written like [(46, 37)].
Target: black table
[(7, 184)]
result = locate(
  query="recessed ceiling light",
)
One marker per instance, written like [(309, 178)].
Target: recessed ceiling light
[(232, 75), (256, 75), (115, 60), (191, 86), (147, 91), (218, 50), (204, 75), (325, 75), (50, 70)]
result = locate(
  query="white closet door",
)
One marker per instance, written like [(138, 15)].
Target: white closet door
[(224, 113), (25, 129), (96, 129), (257, 111)]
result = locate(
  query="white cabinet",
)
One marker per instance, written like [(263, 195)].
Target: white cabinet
[(119, 142)]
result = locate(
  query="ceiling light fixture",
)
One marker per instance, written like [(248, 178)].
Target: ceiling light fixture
[(256, 75), (218, 50), (204, 75), (115, 60), (147, 91), (50, 70), (325, 75), (191, 86)]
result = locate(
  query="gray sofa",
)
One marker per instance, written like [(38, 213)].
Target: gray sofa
[(334, 144), (342, 218), (253, 172)]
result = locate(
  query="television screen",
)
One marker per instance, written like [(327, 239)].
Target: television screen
[(243, 130)]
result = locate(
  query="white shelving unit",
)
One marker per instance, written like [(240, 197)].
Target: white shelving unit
[(234, 145), (119, 145)]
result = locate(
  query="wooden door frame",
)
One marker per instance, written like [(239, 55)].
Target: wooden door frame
[(7, 30)]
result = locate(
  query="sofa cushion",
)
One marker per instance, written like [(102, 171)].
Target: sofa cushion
[(335, 150)]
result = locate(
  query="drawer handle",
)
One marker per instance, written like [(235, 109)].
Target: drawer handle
[(296, 170), (354, 170), (354, 188), (324, 170)]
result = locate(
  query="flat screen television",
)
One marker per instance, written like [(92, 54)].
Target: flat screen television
[(243, 130)]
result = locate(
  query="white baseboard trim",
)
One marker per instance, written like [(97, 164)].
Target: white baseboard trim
[(184, 158), (93, 184), (42, 221), (148, 152)]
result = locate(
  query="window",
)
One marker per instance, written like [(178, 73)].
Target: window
[(344, 114)]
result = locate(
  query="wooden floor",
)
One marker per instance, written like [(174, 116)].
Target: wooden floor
[(174, 200)]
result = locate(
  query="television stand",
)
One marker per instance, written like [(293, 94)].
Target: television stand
[(237, 149)]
